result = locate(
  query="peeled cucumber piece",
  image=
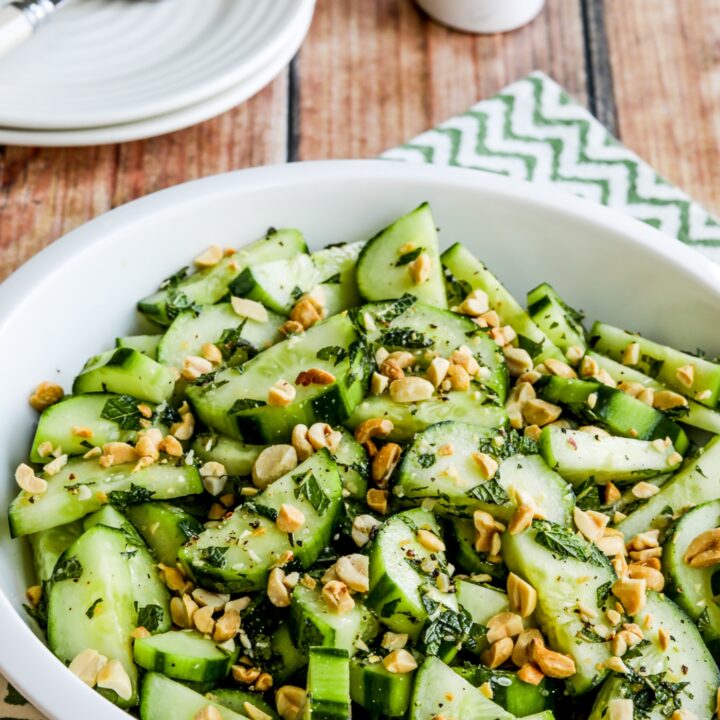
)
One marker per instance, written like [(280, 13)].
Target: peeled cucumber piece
[(684, 676), (91, 603), (384, 266), (146, 344), (482, 602), (578, 456), (127, 372), (236, 456), (335, 269), (184, 655), (163, 698), (66, 501), (236, 556), (560, 323), (208, 286), (109, 516), (48, 545)]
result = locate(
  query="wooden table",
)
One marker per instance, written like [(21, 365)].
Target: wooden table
[(373, 73)]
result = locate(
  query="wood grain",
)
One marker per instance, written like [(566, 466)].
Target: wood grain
[(46, 192), (377, 72), (665, 60)]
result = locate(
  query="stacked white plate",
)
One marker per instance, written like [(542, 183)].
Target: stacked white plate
[(107, 71)]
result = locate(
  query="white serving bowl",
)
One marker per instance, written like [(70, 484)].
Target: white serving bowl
[(75, 297)]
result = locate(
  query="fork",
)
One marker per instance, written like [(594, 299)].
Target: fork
[(21, 18)]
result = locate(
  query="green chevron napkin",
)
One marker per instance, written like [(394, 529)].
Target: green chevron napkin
[(533, 130)]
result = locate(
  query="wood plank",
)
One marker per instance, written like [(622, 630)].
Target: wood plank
[(46, 192), (666, 70), (373, 74)]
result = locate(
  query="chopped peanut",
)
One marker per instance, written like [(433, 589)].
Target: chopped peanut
[(289, 519), (45, 395)]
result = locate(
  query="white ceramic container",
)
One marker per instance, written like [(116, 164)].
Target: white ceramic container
[(75, 297), (482, 16)]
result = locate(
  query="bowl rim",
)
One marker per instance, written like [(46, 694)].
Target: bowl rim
[(24, 659)]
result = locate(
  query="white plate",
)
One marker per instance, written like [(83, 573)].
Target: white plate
[(108, 62), (76, 296), (170, 122)]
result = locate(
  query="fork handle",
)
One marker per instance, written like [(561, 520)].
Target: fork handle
[(15, 28)]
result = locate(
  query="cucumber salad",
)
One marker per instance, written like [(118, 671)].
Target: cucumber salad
[(368, 482)]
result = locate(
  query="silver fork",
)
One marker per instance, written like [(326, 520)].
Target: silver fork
[(20, 19)]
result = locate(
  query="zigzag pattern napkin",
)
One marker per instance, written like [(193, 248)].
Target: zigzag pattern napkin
[(533, 130)]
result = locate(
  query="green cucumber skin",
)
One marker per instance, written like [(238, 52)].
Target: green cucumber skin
[(146, 344), (58, 506), (328, 685), (73, 625), (286, 659), (660, 361), (211, 285), (462, 535), (378, 275), (197, 659), (560, 323), (164, 527), (236, 700), (56, 424), (467, 269), (161, 695), (127, 372), (692, 588), (379, 691), (251, 572)]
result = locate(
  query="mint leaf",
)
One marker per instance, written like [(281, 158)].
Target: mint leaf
[(122, 410), (330, 352), (150, 617), (214, 556), (490, 492), (565, 543), (67, 568), (408, 257), (121, 499), (310, 489), (405, 337), (90, 612), (245, 404)]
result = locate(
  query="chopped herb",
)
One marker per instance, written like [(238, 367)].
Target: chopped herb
[(395, 308), (262, 510), (129, 554), (389, 608), (408, 257), (122, 410), (310, 489), (166, 414), (332, 280), (532, 347), (565, 543), (189, 527), (505, 444), (603, 593), (234, 348), (245, 404), (332, 351), (178, 302), (652, 695), (650, 365), (90, 612), (175, 279), (444, 625), (121, 499), (296, 293), (67, 568), (457, 290), (426, 460), (490, 492), (150, 617), (214, 556), (405, 337)]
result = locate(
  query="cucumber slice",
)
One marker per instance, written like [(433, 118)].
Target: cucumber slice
[(660, 362), (236, 456), (353, 466), (240, 701), (164, 527), (277, 284), (379, 691), (127, 372), (548, 557), (49, 545), (313, 624), (236, 555), (146, 344), (397, 585), (697, 415), (89, 412), (471, 274), (579, 456), (693, 589), (427, 332), (441, 692), (560, 323), (163, 698), (238, 338), (184, 655), (335, 268), (91, 603), (64, 500), (684, 676), (689, 487), (508, 691), (620, 413), (470, 560), (235, 403), (383, 268), (411, 418), (110, 517), (209, 286), (457, 483), (328, 685), (286, 658), (482, 602)]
